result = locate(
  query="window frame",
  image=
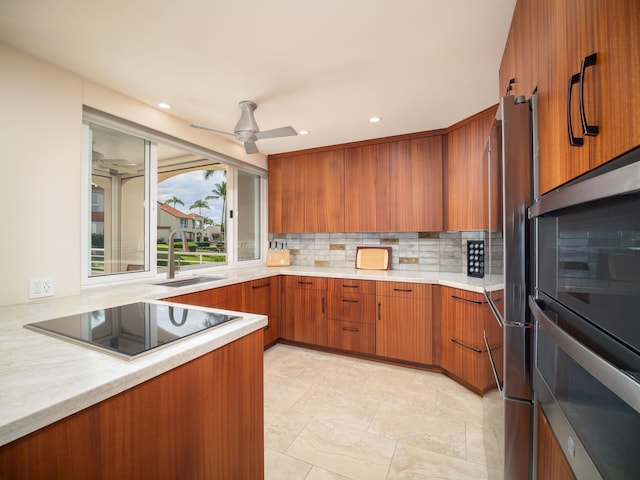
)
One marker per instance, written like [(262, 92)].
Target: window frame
[(91, 115)]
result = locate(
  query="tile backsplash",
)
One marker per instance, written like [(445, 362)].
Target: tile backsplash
[(418, 251)]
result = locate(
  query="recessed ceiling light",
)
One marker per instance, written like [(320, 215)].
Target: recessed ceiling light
[(375, 119), (303, 132), (164, 106)]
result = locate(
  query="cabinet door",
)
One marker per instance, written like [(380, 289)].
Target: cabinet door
[(306, 312), (286, 195), (324, 191), (575, 29), (551, 463), (416, 185), (352, 336), (465, 316), (366, 176), (466, 174), (262, 297), (611, 86), (404, 322)]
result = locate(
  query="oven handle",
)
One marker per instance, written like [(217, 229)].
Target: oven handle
[(616, 380), (493, 307)]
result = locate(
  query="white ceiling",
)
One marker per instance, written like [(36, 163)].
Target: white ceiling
[(325, 66)]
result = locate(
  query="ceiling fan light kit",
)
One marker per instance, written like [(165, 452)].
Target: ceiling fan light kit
[(247, 130)]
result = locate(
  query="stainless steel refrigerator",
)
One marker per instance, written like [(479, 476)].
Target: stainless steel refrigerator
[(512, 153)]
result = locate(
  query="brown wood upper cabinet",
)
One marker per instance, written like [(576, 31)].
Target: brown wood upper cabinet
[(306, 192), (465, 191), (546, 48), (366, 176), (415, 172)]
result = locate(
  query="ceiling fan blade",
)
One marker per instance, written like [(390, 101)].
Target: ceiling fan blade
[(250, 147), (212, 129), (277, 132)]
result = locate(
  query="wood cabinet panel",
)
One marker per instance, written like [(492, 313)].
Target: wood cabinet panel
[(464, 317), (551, 463), (367, 201), (324, 191), (415, 173), (348, 285), (263, 297), (404, 289), (305, 309), (352, 307), (404, 322), (465, 202), (352, 336), (201, 420), (228, 297), (286, 195)]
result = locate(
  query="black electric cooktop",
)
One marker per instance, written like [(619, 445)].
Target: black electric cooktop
[(129, 331)]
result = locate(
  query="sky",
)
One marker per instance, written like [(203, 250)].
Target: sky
[(192, 186)]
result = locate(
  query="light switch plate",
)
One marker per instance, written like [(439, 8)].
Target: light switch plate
[(41, 287)]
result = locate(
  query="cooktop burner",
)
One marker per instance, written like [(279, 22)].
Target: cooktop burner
[(129, 331)]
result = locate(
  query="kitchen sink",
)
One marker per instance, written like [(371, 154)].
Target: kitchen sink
[(188, 281)]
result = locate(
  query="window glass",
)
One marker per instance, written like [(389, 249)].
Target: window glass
[(193, 200), (248, 216), (118, 197)]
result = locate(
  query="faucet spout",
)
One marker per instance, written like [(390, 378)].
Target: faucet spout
[(171, 267)]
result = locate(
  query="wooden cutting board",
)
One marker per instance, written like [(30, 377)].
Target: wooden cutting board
[(373, 258)]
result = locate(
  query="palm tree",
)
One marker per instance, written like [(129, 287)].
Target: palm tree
[(175, 200), (220, 191), (200, 204)]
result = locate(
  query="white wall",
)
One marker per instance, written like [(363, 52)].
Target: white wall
[(40, 155)]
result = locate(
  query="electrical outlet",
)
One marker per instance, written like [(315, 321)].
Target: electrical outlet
[(40, 287)]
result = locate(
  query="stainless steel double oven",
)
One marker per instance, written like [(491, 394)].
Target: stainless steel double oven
[(586, 307)]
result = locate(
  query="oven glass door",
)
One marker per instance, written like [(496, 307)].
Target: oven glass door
[(589, 388), (589, 259)]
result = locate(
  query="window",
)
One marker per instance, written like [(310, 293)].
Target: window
[(142, 185)]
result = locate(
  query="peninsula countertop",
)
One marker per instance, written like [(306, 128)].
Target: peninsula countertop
[(45, 379)]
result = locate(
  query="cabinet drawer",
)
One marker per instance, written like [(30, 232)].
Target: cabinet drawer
[(355, 337), (348, 285), (403, 289), (351, 307), (471, 365), (308, 283)]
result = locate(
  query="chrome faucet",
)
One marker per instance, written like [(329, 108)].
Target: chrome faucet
[(171, 268)]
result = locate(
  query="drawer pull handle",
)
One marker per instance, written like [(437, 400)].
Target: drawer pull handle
[(261, 286), (469, 347), (349, 329), (350, 286), (323, 300), (407, 290), (379, 311), (350, 301), (477, 302), (304, 283)]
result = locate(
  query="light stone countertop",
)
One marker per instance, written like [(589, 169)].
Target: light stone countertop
[(44, 379)]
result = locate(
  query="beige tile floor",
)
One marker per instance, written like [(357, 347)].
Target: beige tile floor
[(333, 417)]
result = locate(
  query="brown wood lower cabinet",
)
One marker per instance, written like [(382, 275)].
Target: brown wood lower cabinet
[(305, 309), (552, 465), (263, 297), (404, 323), (351, 311), (465, 316), (201, 420)]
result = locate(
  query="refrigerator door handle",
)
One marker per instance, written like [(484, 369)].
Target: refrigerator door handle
[(493, 364), (493, 307)]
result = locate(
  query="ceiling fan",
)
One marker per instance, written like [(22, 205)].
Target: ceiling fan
[(247, 130)]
